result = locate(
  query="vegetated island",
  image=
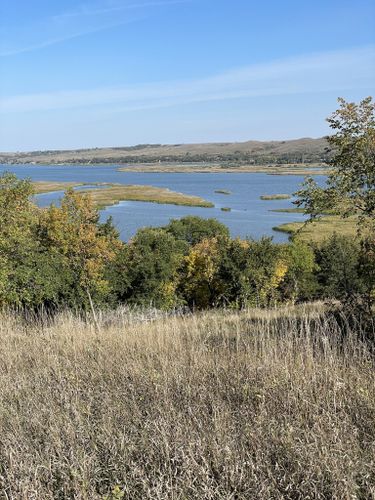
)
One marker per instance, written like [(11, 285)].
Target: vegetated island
[(110, 194), (320, 229), (269, 197), (289, 210), (223, 191), (41, 187)]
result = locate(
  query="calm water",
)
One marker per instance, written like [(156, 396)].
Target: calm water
[(249, 216)]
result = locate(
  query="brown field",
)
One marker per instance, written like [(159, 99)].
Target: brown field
[(252, 405)]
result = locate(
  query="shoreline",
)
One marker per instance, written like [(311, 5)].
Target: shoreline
[(287, 169)]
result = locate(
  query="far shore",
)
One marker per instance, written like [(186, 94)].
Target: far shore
[(287, 169), (305, 169)]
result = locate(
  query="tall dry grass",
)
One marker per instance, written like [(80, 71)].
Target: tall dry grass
[(251, 405)]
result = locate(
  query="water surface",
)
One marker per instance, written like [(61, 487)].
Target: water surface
[(249, 216)]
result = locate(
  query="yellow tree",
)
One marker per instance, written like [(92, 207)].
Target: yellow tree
[(73, 231), (202, 285)]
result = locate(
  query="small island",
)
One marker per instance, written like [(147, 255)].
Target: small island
[(226, 209), (269, 197), (223, 191)]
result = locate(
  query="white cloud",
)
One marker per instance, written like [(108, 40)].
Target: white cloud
[(330, 71)]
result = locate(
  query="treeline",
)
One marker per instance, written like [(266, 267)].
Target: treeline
[(65, 257), (228, 159)]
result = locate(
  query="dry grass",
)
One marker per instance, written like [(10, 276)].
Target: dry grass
[(220, 405)]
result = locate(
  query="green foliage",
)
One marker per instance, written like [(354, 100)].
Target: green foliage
[(26, 273), (54, 256), (63, 256), (145, 271), (338, 262), (235, 273), (367, 270), (351, 181), (193, 229), (72, 231), (350, 190), (300, 280)]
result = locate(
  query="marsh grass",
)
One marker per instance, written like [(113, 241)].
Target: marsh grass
[(321, 229), (110, 194), (51, 186), (115, 193), (270, 197), (257, 404)]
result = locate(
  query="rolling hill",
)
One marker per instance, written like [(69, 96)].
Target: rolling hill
[(305, 150)]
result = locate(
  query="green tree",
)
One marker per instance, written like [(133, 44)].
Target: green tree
[(350, 188), (234, 273), (29, 275), (338, 268), (73, 233), (265, 271), (300, 279), (194, 229), (145, 270)]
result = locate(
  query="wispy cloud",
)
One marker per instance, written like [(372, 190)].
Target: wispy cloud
[(90, 10), (85, 19), (6, 52), (330, 71)]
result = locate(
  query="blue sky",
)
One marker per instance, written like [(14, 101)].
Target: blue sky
[(121, 72)]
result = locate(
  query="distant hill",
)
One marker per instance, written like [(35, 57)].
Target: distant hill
[(305, 150)]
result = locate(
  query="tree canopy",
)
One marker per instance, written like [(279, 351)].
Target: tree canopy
[(350, 188)]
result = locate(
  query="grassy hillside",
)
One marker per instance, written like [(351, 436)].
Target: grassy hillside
[(251, 152), (258, 404)]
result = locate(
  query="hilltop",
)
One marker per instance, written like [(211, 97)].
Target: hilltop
[(305, 150)]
